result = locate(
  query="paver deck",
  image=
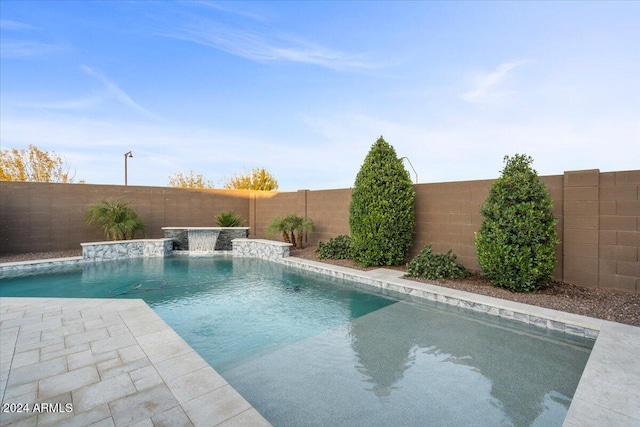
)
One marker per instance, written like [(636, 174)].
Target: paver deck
[(117, 363), (106, 362)]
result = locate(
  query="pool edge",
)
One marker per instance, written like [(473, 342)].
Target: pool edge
[(609, 389)]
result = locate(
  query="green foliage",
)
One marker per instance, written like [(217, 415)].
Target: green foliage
[(229, 219), (116, 219), (256, 179), (336, 248), (515, 243), (429, 265), (276, 226), (293, 228), (381, 214)]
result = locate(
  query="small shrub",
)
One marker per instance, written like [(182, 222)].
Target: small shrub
[(229, 219), (336, 248), (516, 241), (429, 265)]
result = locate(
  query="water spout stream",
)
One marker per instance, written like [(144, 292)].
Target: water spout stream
[(202, 240)]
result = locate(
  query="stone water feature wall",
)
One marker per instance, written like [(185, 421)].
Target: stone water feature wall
[(98, 251), (227, 235), (180, 236), (263, 249)]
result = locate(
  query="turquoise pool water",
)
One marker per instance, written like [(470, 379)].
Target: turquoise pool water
[(305, 349)]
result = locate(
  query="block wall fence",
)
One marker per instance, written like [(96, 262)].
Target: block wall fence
[(42, 217), (598, 218)]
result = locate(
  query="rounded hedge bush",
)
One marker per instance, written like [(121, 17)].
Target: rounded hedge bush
[(515, 243), (381, 214)]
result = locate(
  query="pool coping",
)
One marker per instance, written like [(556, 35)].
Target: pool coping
[(609, 389)]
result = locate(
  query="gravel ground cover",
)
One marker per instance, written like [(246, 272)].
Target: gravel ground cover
[(599, 303)]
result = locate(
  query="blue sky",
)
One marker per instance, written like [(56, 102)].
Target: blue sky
[(304, 89)]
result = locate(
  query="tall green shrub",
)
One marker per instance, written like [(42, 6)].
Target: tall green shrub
[(515, 243), (381, 214)]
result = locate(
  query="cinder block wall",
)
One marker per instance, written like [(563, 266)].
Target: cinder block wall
[(265, 206), (598, 222), (448, 215), (598, 218), (619, 231), (41, 217), (329, 210)]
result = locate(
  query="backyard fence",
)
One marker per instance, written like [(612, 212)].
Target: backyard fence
[(598, 218)]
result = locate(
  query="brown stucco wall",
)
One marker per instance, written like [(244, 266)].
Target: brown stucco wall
[(598, 218), (602, 236), (40, 217)]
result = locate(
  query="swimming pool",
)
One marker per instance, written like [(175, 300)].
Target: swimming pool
[(307, 350)]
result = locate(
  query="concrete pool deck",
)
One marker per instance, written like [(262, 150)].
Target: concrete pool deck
[(106, 362), (118, 363)]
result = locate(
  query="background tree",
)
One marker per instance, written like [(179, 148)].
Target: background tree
[(256, 179), (33, 165), (116, 219), (189, 181), (516, 241), (382, 214)]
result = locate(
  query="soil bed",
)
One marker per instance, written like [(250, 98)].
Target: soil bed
[(599, 303)]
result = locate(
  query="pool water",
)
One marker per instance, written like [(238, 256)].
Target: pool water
[(306, 349)]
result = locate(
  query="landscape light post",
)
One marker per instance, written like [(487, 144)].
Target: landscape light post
[(126, 156), (414, 170)]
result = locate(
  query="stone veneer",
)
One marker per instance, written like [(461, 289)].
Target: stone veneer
[(9, 269), (226, 236), (258, 248), (387, 280), (382, 279), (97, 251)]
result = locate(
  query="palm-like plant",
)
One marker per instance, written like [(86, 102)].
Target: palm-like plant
[(229, 219), (116, 219), (293, 228), (278, 225), (299, 226)]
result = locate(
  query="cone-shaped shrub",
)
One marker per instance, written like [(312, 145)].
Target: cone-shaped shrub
[(515, 243), (381, 214)]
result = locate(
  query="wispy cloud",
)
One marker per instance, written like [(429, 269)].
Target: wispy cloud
[(71, 104), (25, 49), (10, 49), (115, 92), (6, 24), (486, 85), (257, 47), (229, 8)]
